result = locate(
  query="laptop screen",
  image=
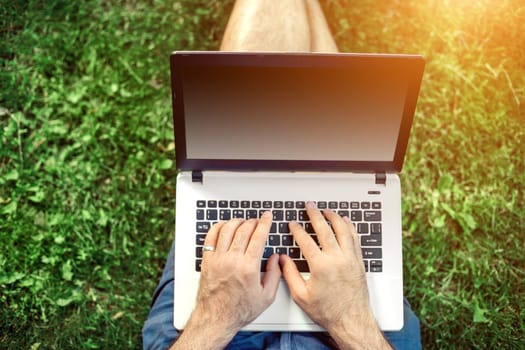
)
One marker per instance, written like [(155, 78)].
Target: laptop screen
[(283, 113)]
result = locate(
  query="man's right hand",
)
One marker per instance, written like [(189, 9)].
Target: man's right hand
[(335, 296), (231, 291)]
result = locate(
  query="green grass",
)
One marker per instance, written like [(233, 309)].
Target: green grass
[(87, 179)]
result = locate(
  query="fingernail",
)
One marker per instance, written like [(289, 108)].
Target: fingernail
[(267, 214), (311, 204)]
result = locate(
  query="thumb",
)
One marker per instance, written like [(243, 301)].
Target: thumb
[(295, 281)]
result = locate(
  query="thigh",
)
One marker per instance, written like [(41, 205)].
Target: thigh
[(282, 341), (254, 340), (158, 331)]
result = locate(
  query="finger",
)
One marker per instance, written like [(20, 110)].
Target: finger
[(259, 237), (321, 227), (226, 234), (304, 241), (341, 229), (354, 239), (293, 278), (242, 236), (213, 233), (272, 277)]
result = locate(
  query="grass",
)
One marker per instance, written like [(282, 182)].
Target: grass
[(87, 177)]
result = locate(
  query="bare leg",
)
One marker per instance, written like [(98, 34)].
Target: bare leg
[(321, 39), (277, 25)]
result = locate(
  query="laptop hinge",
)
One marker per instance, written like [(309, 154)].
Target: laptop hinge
[(196, 176), (380, 178)]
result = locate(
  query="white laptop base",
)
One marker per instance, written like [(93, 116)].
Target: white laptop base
[(385, 288)]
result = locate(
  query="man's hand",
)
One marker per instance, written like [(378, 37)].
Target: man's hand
[(231, 292), (335, 296), (230, 284)]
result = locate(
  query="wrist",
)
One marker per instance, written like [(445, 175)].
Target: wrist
[(205, 330), (217, 319), (360, 332)]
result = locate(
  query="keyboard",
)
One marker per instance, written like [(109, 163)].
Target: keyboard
[(366, 217)]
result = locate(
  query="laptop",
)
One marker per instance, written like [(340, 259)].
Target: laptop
[(270, 131)]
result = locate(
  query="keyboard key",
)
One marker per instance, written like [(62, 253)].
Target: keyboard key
[(366, 265), (375, 228), (362, 227), (376, 205), (371, 241), (354, 205), (245, 204), (278, 204), (372, 253), (302, 265), (268, 251), (332, 205), (211, 214), (365, 205), (267, 204), (300, 204), (203, 226), (238, 214), (278, 215), (343, 205), (274, 240), (287, 240), (223, 204), (200, 214), (234, 204), (283, 227), (372, 215), (273, 228), (356, 215), (289, 205), (343, 213), (252, 214), (256, 204), (291, 215), (281, 250), (264, 263), (321, 205), (303, 215), (198, 252), (212, 204), (225, 214), (308, 227), (201, 204), (294, 253), (376, 266), (199, 239), (198, 264)]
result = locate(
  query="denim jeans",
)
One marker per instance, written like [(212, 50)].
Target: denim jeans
[(158, 331)]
